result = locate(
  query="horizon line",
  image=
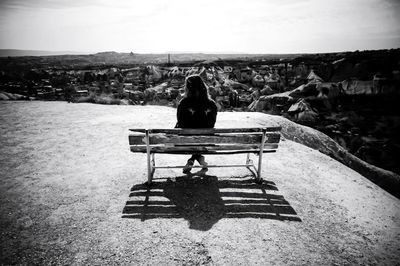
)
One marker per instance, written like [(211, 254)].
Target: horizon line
[(69, 52)]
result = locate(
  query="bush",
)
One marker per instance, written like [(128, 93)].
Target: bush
[(86, 99), (106, 99), (101, 99)]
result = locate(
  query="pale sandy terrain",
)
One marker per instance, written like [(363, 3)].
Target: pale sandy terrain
[(71, 193)]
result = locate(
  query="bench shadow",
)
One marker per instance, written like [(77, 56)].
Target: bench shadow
[(203, 200)]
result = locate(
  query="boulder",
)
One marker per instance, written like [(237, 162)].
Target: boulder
[(192, 71), (307, 117), (258, 81), (267, 90), (276, 102), (161, 87), (175, 72), (4, 97), (302, 112), (314, 77), (305, 90), (172, 92), (149, 94), (257, 106), (124, 102), (328, 89), (235, 85), (355, 86), (155, 74), (11, 96)]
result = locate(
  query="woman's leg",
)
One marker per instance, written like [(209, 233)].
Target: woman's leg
[(189, 165), (200, 158)]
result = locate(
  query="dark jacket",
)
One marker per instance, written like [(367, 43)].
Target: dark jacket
[(192, 114)]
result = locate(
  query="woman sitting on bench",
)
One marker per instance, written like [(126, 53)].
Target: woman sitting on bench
[(196, 110)]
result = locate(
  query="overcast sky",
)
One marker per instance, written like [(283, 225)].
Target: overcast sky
[(250, 26)]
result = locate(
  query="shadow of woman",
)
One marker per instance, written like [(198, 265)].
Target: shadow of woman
[(197, 199), (203, 200)]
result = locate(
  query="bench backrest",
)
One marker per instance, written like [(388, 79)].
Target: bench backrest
[(205, 140)]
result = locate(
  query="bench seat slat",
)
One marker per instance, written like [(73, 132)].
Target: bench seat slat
[(216, 152), (206, 131), (139, 138), (202, 149)]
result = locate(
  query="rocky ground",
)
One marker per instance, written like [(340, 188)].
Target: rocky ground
[(72, 193)]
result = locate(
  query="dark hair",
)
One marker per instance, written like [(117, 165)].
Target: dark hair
[(196, 88)]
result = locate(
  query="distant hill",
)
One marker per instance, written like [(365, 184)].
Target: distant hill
[(38, 59), (380, 60), (16, 52)]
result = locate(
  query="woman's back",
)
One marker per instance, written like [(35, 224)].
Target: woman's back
[(194, 114)]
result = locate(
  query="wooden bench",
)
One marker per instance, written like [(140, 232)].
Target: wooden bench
[(205, 141)]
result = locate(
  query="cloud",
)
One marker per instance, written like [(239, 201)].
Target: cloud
[(158, 25), (50, 4)]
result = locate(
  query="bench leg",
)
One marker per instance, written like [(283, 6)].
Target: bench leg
[(150, 169), (259, 167), (153, 164), (260, 156), (150, 161), (248, 161)]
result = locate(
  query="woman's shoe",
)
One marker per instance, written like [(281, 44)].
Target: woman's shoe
[(188, 167), (202, 162)]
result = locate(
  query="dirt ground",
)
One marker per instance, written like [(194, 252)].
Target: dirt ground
[(72, 193)]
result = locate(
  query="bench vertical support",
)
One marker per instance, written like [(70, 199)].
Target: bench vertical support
[(153, 164), (248, 166), (260, 155), (149, 167)]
